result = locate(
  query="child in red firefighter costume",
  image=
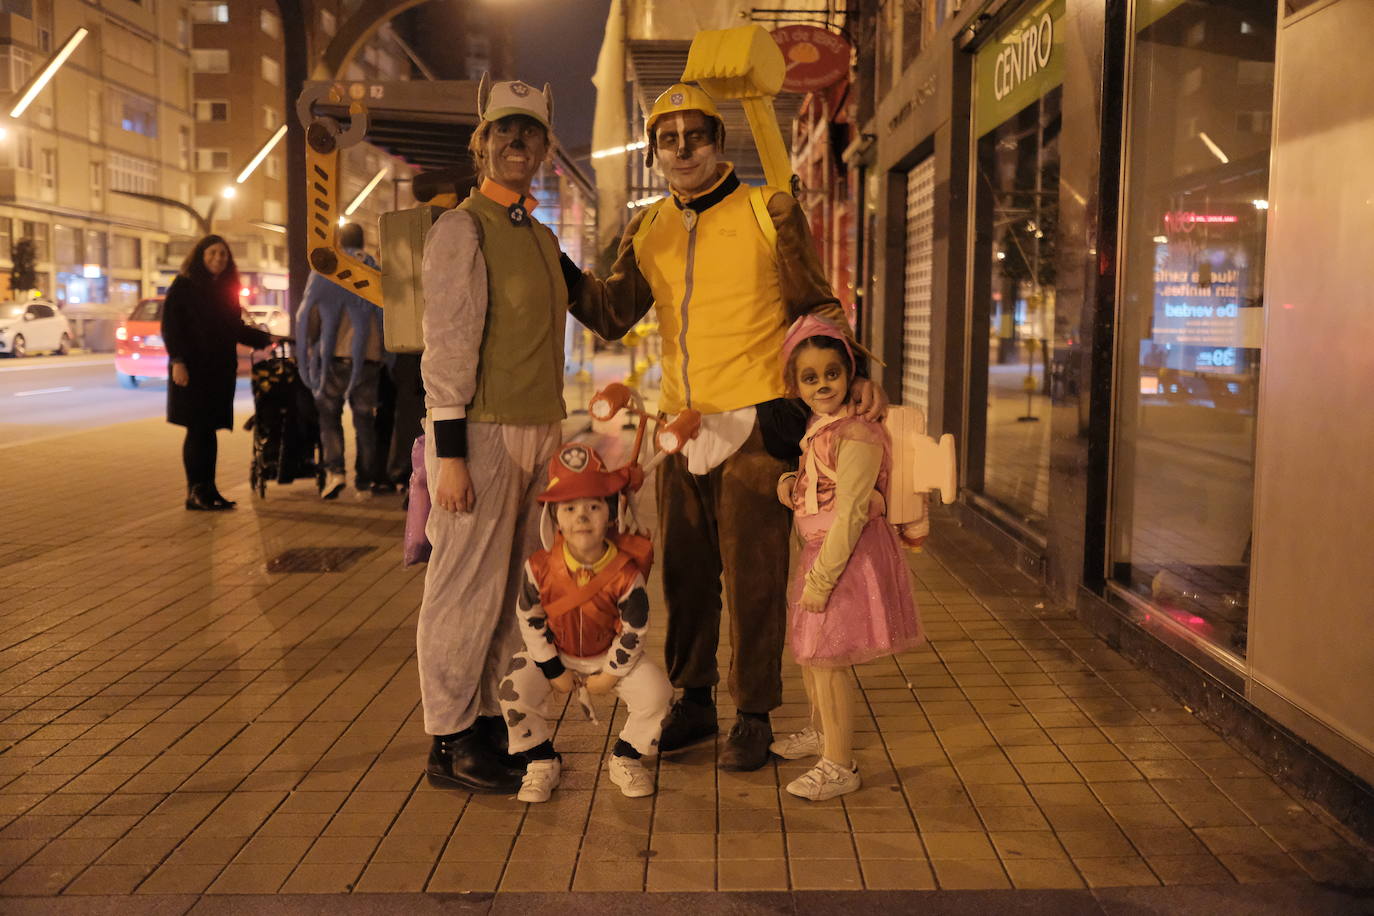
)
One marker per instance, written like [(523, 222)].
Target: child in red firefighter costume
[(584, 614)]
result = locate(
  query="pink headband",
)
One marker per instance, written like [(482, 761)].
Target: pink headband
[(814, 326)]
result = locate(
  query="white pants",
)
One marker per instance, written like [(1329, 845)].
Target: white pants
[(644, 690), (467, 628)]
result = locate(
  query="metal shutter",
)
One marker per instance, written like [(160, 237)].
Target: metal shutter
[(916, 285)]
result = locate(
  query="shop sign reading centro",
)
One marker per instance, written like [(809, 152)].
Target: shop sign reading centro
[(1021, 62)]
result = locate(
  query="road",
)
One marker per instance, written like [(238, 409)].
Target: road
[(45, 396)]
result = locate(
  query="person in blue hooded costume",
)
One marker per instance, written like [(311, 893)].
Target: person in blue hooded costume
[(341, 359)]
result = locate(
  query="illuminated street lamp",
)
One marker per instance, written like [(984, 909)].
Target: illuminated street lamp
[(48, 72)]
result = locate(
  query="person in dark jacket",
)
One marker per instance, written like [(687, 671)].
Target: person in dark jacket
[(201, 324)]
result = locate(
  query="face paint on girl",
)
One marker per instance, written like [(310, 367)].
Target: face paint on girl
[(822, 379)]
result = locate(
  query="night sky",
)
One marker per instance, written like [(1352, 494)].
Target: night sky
[(556, 42)]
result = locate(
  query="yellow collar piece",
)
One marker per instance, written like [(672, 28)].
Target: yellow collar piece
[(578, 568), (505, 196)]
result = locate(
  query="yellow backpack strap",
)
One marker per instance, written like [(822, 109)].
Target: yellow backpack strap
[(646, 224), (758, 199)]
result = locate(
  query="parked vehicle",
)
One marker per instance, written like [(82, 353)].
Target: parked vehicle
[(33, 327), (140, 354), (139, 351), (270, 319)]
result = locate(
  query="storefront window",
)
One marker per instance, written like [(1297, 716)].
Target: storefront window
[(1190, 316), (1016, 206)]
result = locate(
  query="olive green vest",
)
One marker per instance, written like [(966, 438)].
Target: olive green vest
[(520, 365)]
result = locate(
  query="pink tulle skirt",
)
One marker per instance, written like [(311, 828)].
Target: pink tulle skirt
[(870, 614)]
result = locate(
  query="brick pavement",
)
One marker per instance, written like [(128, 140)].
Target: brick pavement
[(179, 725)]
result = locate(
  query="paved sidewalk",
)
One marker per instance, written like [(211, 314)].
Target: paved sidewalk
[(178, 724)]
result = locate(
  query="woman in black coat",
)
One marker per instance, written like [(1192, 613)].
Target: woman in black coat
[(201, 325)]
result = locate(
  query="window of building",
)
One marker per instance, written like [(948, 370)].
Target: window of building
[(44, 39), (138, 115), (128, 47), (212, 160), (272, 167), (1190, 320), (184, 146), (130, 173), (124, 252), (328, 23), (37, 233), (208, 13), (271, 117), (183, 36), (210, 60), (6, 236), (23, 149), (1015, 336), (97, 185), (95, 115), (212, 109), (273, 212), (271, 70), (97, 248), (270, 23), (16, 66), (47, 174)]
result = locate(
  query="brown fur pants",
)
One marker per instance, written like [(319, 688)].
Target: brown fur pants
[(726, 526)]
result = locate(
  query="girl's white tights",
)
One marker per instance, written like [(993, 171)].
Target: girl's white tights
[(832, 710)]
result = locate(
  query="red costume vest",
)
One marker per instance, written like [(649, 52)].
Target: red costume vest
[(585, 618)]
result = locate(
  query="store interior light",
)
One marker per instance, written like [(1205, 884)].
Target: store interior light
[(46, 75), (1260, 204), (617, 150), (229, 192), (1211, 145), (260, 155), (1161, 239), (4, 132), (367, 189), (643, 202), (343, 221)]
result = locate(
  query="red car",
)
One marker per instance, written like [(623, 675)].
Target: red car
[(140, 353)]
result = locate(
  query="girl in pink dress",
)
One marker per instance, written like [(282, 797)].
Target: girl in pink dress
[(850, 598)]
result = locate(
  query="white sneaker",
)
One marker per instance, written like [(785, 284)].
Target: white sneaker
[(806, 743), (632, 776), (541, 778), (333, 485), (826, 779)]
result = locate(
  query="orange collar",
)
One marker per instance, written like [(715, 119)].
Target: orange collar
[(505, 196)]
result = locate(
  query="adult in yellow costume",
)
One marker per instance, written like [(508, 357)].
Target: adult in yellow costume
[(728, 268)]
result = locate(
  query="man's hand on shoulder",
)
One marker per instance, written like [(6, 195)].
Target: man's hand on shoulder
[(870, 401)]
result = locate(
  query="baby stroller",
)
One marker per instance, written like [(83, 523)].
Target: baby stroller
[(285, 426)]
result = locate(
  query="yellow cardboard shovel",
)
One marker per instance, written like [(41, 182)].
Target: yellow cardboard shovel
[(745, 63)]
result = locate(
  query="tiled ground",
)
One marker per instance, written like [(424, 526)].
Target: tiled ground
[(176, 721)]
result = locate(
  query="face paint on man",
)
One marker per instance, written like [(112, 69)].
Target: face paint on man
[(687, 157)]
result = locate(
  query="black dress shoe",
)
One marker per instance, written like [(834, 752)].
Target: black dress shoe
[(201, 499), (218, 499), (465, 761), (687, 724), (746, 748)]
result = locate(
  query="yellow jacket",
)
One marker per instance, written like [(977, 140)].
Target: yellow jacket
[(724, 291)]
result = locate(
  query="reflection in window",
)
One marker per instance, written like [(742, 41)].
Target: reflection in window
[(1017, 219), (1189, 325)]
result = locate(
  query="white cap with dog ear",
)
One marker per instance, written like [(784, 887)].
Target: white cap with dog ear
[(514, 97)]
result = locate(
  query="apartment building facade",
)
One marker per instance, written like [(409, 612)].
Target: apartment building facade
[(115, 117)]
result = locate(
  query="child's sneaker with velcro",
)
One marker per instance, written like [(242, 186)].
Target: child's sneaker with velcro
[(541, 778), (633, 778), (806, 743), (826, 779)]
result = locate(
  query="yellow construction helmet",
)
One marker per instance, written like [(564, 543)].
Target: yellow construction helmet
[(681, 97)]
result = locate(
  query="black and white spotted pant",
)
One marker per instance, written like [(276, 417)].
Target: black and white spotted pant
[(644, 690)]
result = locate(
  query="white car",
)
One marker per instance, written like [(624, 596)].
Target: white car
[(270, 319), (33, 327)]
